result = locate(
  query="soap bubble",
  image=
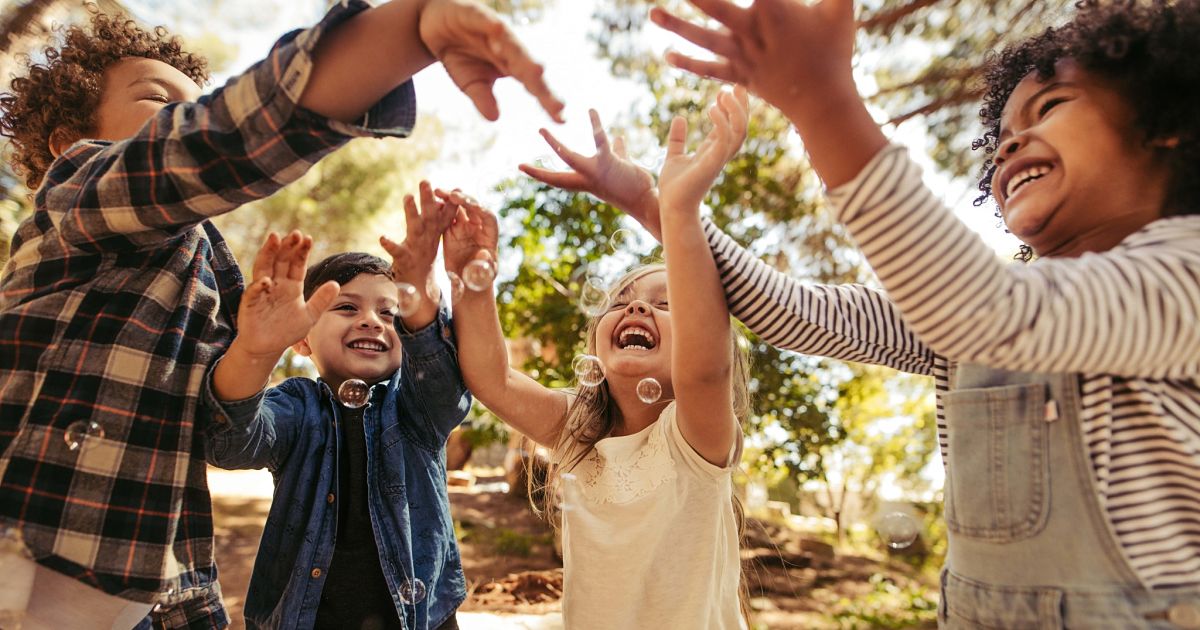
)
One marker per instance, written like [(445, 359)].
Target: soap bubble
[(79, 431), (588, 370), (408, 300), (354, 393), (649, 390), (456, 286), (593, 297), (412, 591), (622, 240), (898, 529), (478, 275)]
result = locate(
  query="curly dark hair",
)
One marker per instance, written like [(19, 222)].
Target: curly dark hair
[(64, 92), (1147, 50)]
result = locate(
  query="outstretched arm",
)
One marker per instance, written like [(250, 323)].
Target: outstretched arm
[(412, 260), (518, 400), (701, 373), (359, 62)]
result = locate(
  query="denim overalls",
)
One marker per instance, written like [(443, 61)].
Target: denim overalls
[(1030, 545)]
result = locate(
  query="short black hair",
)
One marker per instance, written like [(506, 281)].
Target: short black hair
[(343, 268), (1148, 50)]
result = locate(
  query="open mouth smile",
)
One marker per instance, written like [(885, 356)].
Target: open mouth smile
[(636, 338)]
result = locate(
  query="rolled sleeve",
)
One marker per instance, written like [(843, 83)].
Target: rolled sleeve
[(431, 381)]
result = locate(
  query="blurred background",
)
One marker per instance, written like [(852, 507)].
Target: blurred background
[(841, 475)]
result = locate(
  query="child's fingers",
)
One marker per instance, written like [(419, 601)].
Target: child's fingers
[(721, 70), (725, 12), (320, 299), (721, 42), (264, 261), (677, 136), (519, 65), (299, 259), (598, 131), (427, 200), (283, 260), (573, 159), (567, 180), (391, 247), (412, 218)]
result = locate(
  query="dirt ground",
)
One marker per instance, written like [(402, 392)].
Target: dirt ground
[(511, 567)]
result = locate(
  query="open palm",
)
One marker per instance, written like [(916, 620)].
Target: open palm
[(687, 177), (273, 313)]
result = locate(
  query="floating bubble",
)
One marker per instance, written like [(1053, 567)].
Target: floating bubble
[(408, 300), (478, 275), (569, 496), (431, 288), (588, 370), (652, 162), (79, 431), (354, 393), (622, 240), (649, 390), (898, 529), (593, 297), (456, 286), (412, 591)]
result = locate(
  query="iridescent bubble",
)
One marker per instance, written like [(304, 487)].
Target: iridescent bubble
[(354, 393), (478, 275), (588, 370), (431, 287), (408, 299), (412, 591), (456, 286), (898, 529), (79, 431), (649, 390), (593, 297), (621, 240), (569, 497)]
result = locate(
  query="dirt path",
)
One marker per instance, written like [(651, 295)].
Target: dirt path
[(514, 578)]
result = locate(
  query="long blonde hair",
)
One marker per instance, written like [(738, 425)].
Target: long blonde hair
[(591, 417)]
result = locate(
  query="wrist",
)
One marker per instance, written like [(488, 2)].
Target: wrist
[(248, 357)]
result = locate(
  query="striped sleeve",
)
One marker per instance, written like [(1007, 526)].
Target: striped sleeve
[(1129, 311), (847, 322)]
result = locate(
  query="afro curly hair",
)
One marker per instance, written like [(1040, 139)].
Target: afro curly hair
[(63, 93), (1147, 50)]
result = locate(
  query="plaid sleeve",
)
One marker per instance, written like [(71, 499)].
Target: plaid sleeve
[(195, 160)]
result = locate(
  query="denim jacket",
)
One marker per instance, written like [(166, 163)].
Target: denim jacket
[(293, 430)]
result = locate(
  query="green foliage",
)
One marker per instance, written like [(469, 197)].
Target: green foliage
[(889, 605)]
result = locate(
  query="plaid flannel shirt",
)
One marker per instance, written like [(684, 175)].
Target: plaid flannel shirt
[(118, 296)]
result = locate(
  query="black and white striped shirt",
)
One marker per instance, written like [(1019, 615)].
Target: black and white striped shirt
[(1125, 319)]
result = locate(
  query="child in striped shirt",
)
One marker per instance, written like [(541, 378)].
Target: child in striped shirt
[(1068, 389)]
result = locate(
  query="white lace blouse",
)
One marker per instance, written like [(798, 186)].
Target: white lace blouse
[(649, 536)]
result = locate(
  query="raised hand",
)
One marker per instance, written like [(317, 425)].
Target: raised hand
[(273, 313), (687, 177), (609, 175), (477, 48), (412, 260), (474, 235), (789, 52)]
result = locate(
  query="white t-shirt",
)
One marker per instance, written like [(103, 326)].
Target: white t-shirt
[(649, 536)]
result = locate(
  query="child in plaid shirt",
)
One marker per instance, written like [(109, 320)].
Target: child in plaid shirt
[(119, 293)]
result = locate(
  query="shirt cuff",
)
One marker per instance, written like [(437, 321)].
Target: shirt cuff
[(394, 115), (228, 414), (435, 338)]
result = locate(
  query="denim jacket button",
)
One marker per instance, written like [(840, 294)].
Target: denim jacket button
[(316, 573), (330, 498), (1185, 615)]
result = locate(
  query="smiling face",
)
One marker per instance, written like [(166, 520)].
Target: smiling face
[(1073, 173), (355, 337), (135, 88), (633, 339)]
